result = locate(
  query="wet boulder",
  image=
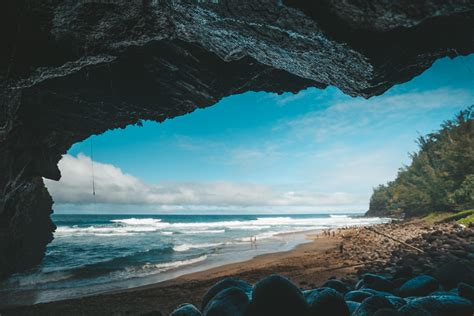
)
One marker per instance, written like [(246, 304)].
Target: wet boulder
[(352, 306), (396, 301), (225, 284), (186, 310), (337, 285), (277, 296), (232, 301), (357, 296), (371, 305), (419, 286), (328, 302), (466, 291), (375, 282), (440, 306), (387, 312), (414, 310), (376, 293)]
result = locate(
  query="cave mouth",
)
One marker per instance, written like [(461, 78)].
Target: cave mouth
[(171, 197), (72, 69)]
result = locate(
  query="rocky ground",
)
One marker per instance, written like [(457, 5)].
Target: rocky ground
[(427, 270), (421, 270)]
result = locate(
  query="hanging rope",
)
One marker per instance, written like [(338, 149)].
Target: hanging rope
[(92, 169)]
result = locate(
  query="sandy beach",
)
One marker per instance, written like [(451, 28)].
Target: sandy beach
[(308, 265)]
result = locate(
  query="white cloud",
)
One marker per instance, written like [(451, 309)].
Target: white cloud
[(114, 187)]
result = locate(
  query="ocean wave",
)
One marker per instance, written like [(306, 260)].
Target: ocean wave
[(166, 266), (122, 227), (215, 231), (186, 247), (137, 221)]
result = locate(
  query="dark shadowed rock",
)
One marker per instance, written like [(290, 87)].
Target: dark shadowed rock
[(453, 273), (152, 313), (419, 286), (387, 312), (414, 310), (399, 282), (403, 272), (276, 295), (372, 304), (440, 305), (376, 293), (225, 284), (352, 306), (396, 301), (186, 310), (328, 302), (466, 291), (337, 285), (357, 296), (375, 282), (232, 301)]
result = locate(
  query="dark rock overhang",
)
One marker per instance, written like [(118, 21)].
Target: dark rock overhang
[(73, 68)]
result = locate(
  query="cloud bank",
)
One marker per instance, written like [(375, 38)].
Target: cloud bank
[(114, 187)]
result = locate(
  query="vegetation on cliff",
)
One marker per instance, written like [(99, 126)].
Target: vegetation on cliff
[(440, 177)]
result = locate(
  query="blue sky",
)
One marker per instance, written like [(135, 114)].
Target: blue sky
[(315, 151)]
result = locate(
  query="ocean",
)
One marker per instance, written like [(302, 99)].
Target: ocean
[(94, 254)]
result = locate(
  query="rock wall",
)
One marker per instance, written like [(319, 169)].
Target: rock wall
[(73, 68)]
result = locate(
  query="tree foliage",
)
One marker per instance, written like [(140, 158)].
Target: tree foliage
[(440, 176)]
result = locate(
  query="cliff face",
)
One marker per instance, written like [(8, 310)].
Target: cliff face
[(70, 69)]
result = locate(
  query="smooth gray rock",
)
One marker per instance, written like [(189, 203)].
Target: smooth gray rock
[(277, 296), (419, 286), (466, 291), (225, 284), (186, 310), (372, 304), (375, 282), (328, 302), (232, 301), (337, 285), (441, 305), (357, 295)]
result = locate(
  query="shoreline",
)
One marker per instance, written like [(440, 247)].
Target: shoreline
[(308, 265), (196, 282), (293, 239)]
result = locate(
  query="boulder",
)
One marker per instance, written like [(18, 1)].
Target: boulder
[(466, 291), (440, 306), (152, 313), (328, 302), (352, 306), (277, 296), (357, 296), (224, 284), (186, 310), (387, 312), (413, 310), (232, 301), (453, 273), (396, 301), (337, 285), (371, 305), (375, 282), (419, 286)]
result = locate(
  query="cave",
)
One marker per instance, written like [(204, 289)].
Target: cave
[(71, 69)]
